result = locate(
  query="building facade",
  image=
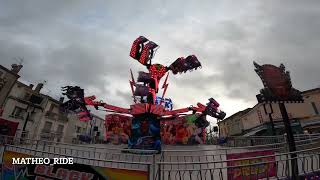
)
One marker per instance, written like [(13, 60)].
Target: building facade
[(24, 105), (53, 122), (39, 116), (98, 129), (7, 80), (76, 129), (311, 114), (232, 125), (257, 121), (92, 131)]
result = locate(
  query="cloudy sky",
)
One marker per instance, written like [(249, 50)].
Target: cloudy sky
[(87, 43)]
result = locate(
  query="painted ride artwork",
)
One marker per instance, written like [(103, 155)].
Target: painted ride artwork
[(150, 116)]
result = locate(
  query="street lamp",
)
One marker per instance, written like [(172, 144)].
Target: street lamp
[(278, 88), (33, 102), (269, 111)]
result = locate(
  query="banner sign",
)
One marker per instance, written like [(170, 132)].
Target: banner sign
[(166, 102), (277, 84), (182, 130), (118, 128), (250, 172), (8, 128), (63, 171)]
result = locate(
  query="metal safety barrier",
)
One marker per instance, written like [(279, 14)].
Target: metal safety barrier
[(239, 141), (203, 162), (251, 168)]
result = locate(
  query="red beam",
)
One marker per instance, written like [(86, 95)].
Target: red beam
[(116, 109)]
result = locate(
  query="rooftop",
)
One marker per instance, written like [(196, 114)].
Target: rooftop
[(9, 71), (311, 90), (240, 113)]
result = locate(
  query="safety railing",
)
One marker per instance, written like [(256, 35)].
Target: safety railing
[(82, 158), (89, 155), (239, 141), (41, 144), (214, 153), (180, 162), (279, 167), (93, 152)]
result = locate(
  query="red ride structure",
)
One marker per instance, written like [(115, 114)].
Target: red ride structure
[(145, 109)]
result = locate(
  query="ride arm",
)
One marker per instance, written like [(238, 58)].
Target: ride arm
[(200, 108), (177, 111), (116, 108), (90, 101), (212, 109)]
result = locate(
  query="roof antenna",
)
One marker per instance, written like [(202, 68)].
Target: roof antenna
[(19, 60)]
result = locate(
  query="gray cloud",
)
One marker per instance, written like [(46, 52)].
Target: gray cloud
[(87, 44)]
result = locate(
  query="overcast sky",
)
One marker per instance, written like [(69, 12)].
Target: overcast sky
[(87, 43)]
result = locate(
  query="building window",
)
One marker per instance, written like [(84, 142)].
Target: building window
[(47, 127), (315, 107), (60, 129), (78, 129), (35, 99), (32, 116), (52, 107), (27, 96), (18, 112), (3, 81)]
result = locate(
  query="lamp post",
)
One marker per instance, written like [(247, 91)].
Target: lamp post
[(278, 88), (269, 112), (34, 102), (26, 121)]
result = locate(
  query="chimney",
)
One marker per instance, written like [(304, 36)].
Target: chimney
[(38, 87), (15, 68), (31, 86), (61, 99)]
